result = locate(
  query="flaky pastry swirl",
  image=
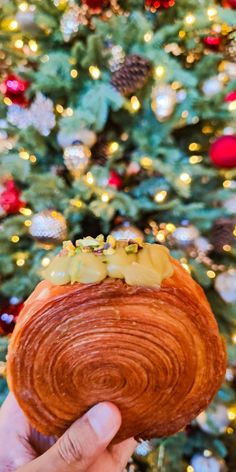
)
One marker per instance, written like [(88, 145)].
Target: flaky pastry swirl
[(155, 352)]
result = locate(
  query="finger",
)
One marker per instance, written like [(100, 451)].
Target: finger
[(82, 443), (123, 451)]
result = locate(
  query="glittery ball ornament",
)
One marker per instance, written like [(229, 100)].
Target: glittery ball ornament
[(230, 97), (76, 159), (164, 100), (230, 46), (71, 21), (214, 420), (212, 86), (127, 231), (225, 285), (156, 4), (185, 235), (201, 463), (223, 151), (10, 198), (115, 180), (213, 41), (14, 88), (48, 227)]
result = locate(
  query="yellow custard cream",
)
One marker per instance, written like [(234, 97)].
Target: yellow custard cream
[(93, 259)]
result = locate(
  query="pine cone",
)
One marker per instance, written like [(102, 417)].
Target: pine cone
[(100, 152), (132, 75), (222, 234), (230, 46)]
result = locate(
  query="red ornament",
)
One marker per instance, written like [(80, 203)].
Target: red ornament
[(231, 96), (115, 180), (9, 312), (229, 3), (213, 41), (14, 88), (96, 5), (10, 200), (154, 5), (223, 152)]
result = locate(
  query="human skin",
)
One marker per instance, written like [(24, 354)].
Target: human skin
[(84, 447)]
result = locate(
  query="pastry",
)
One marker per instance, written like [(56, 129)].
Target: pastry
[(116, 321)]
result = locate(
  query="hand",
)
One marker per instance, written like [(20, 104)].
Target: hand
[(83, 448)]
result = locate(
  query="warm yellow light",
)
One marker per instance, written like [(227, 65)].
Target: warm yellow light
[(207, 453), (33, 158), (176, 85), (59, 108), (13, 25), (159, 71), (170, 227), (24, 155), (26, 211), (105, 197), (234, 231), (227, 248), (23, 6), (15, 238), (113, 147), (135, 103), (182, 34), (19, 43), (229, 430), (45, 261), (185, 178), (28, 223), (7, 101), (212, 13), (232, 105), (146, 162), (74, 73), (76, 203), (207, 129), (186, 267), (234, 338), (33, 45), (194, 147), (44, 58), (195, 159), (184, 114), (94, 72), (69, 111), (190, 19), (160, 236), (190, 468), (227, 183), (160, 196), (90, 178), (211, 274), (148, 36), (231, 415), (20, 262)]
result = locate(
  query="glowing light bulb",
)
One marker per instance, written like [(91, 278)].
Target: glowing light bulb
[(33, 45), (13, 25), (190, 19), (159, 71), (212, 13), (15, 238), (160, 196), (211, 274), (45, 261), (105, 197), (74, 73), (113, 147), (94, 72), (23, 6), (135, 103), (148, 36), (19, 44), (185, 178)]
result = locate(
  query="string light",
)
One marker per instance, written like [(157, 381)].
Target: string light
[(33, 45), (94, 72), (211, 274), (44, 58), (227, 248), (170, 227), (234, 338), (23, 6), (159, 71), (24, 155), (232, 106), (227, 183), (190, 468), (160, 196), (231, 415), (105, 197), (135, 103), (146, 163), (20, 262), (19, 43), (207, 453), (185, 178), (184, 114), (148, 36), (59, 108), (160, 236), (15, 238), (229, 430), (7, 101), (182, 34), (26, 211), (74, 73), (76, 202), (45, 261), (33, 159), (27, 223), (113, 147), (190, 19), (68, 112), (195, 159), (194, 147), (89, 178), (234, 231), (212, 13), (13, 25)]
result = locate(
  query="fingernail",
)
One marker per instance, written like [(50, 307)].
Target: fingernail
[(105, 420)]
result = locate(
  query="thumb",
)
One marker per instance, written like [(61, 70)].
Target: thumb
[(82, 443)]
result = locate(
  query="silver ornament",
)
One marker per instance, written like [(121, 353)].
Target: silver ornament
[(203, 244), (225, 285), (42, 114), (127, 231), (117, 58), (85, 135), (26, 19), (164, 100), (19, 116), (214, 420), (207, 464), (230, 69), (185, 235), (48, 227), (144, 448), (230, 205), (212, 86), (76, 159), (71, 21)]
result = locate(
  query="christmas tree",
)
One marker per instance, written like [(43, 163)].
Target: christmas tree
[(118, 116)]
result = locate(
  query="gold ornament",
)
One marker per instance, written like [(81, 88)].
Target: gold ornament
[(127, 231), (164, 99), (76, 159), (48, 227), (230, 46)]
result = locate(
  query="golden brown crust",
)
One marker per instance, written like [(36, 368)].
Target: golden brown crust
[(155, 353)]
